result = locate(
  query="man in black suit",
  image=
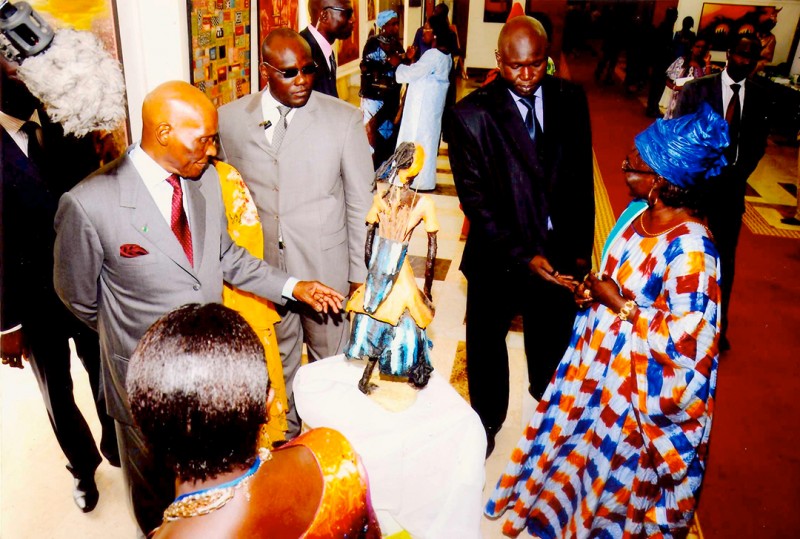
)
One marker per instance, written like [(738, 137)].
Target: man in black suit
[(330, 20), (521, 154), (745, 105), (39, 163)]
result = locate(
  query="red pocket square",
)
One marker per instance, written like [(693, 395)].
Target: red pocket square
[(131, 250)]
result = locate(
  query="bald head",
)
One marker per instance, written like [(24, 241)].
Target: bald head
[(280, 39), (288, 67), (179, 128), (520, 28), (522, 54)]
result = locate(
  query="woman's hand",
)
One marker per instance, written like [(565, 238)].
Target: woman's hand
[(583, 294), (605, 290)]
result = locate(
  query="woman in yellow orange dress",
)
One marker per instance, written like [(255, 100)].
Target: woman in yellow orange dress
[(244, 227)]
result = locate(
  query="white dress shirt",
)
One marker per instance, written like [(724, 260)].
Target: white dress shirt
[(13, 127), (269, 110), (727, 93), (155, 179)]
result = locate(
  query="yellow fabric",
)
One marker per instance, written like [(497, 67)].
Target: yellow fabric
[(245, 230), (404, 294)]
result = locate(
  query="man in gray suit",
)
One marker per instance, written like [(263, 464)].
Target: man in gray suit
[(305, 157), (146, 234)]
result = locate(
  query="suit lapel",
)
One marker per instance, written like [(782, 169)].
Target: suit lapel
[(514, 128), (303, 119), (254, 130), (145, 217), (197, 219)]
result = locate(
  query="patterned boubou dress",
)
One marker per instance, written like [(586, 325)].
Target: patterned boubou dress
[(617, 446)]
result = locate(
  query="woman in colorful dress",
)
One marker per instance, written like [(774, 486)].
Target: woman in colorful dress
[(244, 226), (199, 390), (617, 445), (696, 64), (380, 92)]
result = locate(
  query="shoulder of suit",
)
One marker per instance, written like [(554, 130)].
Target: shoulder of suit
[(237, 104), (102, 180), (333, 104)]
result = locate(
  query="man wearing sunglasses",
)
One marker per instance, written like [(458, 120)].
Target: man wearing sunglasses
[(306, 160), (330, 20)]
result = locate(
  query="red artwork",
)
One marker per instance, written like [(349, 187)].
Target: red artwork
[(274, 14)]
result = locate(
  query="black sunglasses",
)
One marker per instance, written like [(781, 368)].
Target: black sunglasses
[(292, 72), (346, 11), (627, 168)]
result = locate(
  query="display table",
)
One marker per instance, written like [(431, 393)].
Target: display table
[(425, 463)]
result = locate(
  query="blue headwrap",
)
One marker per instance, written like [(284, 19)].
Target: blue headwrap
[(386, 16), (688, 149)]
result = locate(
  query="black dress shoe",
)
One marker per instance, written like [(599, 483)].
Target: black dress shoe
[(490, 434), (85, 494), (489, 445)]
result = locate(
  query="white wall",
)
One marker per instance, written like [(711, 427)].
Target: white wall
[(154, 36), (784, 30), (481, 38)]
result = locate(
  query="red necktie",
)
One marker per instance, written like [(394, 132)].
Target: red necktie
[(178, 221)]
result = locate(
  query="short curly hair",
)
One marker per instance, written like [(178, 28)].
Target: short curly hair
[(198, 385)]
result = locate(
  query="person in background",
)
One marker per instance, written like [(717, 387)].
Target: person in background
[(380, 92), (199, 391), (521, 156), (428, 81), (330, 20), (244, 227), (620, 439), (662, 56), (746, 106), (39, 163), (683, 39), (693, 66)]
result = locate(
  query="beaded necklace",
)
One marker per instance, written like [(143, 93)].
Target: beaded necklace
[(653, 234), (202, 502)]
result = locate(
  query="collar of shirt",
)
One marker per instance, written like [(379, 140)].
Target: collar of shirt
[(154, 178), (327, 48), (13, 127), (537, 105), (269, 110), (727, 93)]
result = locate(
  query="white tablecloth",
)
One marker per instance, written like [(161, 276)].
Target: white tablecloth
[(425, 463)]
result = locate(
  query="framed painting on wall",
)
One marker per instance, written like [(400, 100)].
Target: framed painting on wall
[(719, 22), (274, 14), (220, 48), (100, 18), (348, 48), (496, 10)]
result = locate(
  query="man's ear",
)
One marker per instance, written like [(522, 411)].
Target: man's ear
[(163, 132), (264, 72)]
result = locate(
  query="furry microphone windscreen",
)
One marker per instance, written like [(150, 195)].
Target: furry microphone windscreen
[(78, 81)]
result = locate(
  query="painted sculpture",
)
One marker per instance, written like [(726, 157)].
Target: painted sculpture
[(390, 313)]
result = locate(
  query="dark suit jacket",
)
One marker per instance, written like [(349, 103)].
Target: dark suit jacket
[(29, 197), (728, 188), (324, 81), (493, 161), (121, 297)]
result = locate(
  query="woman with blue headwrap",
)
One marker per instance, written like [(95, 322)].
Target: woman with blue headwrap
[(380, 92), (617, 445)]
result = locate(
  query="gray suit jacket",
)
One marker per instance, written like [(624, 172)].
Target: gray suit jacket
[(317, 187), (121, 297)]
